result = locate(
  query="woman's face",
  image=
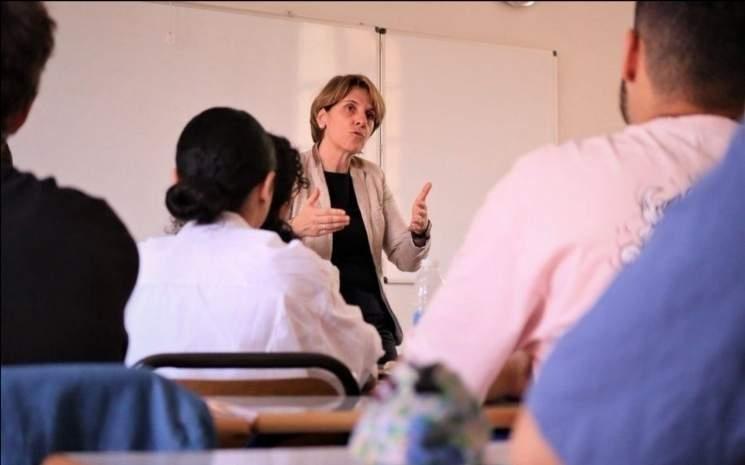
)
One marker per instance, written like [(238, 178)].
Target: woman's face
[(349, 123)]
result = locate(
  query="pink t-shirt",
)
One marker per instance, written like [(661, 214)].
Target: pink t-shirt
[(550, 237)]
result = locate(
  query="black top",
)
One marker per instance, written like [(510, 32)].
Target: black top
[(351, 255), (68, 268), (351, 251)]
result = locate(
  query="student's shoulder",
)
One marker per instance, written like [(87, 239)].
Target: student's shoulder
[(66, 208), (297, 253), (154, 245), (80, 203), (567, 161), (68, 223), (578, 168), (556, 187), (295, 263), (532, 179), (79, 209)]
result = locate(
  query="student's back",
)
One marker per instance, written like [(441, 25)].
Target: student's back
[(655, 372), (227, 287), (69, 266)]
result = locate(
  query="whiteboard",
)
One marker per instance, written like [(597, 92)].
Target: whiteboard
[(459, 114), (125, 78)]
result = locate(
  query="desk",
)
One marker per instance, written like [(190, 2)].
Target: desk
[(344, 421), (278, 415), (496, 454), (238, 418)]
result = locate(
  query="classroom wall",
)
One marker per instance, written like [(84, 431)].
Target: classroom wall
[(588, 37)]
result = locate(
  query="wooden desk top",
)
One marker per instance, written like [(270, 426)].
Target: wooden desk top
[(344, 421), (496, 454), (244, 415), (251, 406)]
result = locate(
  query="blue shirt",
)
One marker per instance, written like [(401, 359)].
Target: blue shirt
[(655, 373)]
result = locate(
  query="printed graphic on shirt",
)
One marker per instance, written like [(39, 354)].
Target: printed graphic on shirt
[(653, 202)]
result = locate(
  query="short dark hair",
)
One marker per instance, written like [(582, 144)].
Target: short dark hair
[(289, 179), (221, 155), (27, 42), (696, 50)]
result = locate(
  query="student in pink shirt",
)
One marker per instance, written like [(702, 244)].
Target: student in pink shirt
[(553, 232)]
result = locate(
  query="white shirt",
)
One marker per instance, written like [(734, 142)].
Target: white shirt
[(227, 287)]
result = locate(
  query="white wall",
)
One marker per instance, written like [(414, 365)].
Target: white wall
[(588, 37), (111, 109)]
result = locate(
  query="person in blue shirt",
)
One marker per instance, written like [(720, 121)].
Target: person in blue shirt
[(655, 373)]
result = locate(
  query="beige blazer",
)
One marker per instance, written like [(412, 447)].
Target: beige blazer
[(386, 229)]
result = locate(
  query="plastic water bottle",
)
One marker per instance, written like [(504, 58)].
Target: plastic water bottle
[(428, 280)]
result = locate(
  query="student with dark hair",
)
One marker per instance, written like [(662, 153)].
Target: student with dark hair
[(221, 284), (68, 263), (289, 180), (553, 232), (693, 54)]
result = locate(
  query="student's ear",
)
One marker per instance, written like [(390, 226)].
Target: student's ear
[(16, 120), (175, 175), (631, 58), (267, 188)]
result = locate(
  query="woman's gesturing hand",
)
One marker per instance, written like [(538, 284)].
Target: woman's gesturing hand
[(315, 221), (419, 216)]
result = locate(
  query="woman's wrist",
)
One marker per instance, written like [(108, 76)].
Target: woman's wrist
[(420, 239)]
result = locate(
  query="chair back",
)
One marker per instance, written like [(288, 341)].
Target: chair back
[(258, 360), (279, 387)]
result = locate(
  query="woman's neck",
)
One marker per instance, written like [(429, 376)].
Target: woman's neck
[(333, 158)]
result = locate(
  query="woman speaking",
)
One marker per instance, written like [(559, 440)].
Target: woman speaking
[(348, 214)]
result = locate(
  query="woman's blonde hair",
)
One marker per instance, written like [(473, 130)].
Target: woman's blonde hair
[(338, 88)]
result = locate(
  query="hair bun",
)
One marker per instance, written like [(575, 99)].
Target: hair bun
[(194, 200)]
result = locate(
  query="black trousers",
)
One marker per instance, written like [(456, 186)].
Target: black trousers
[(375, 313)]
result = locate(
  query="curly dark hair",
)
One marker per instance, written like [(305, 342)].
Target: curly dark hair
[(288, 181)]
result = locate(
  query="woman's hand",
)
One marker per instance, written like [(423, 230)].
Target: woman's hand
[(419, 217), (315, 221)]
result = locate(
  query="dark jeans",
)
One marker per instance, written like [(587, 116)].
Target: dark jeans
[(375, 313)]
